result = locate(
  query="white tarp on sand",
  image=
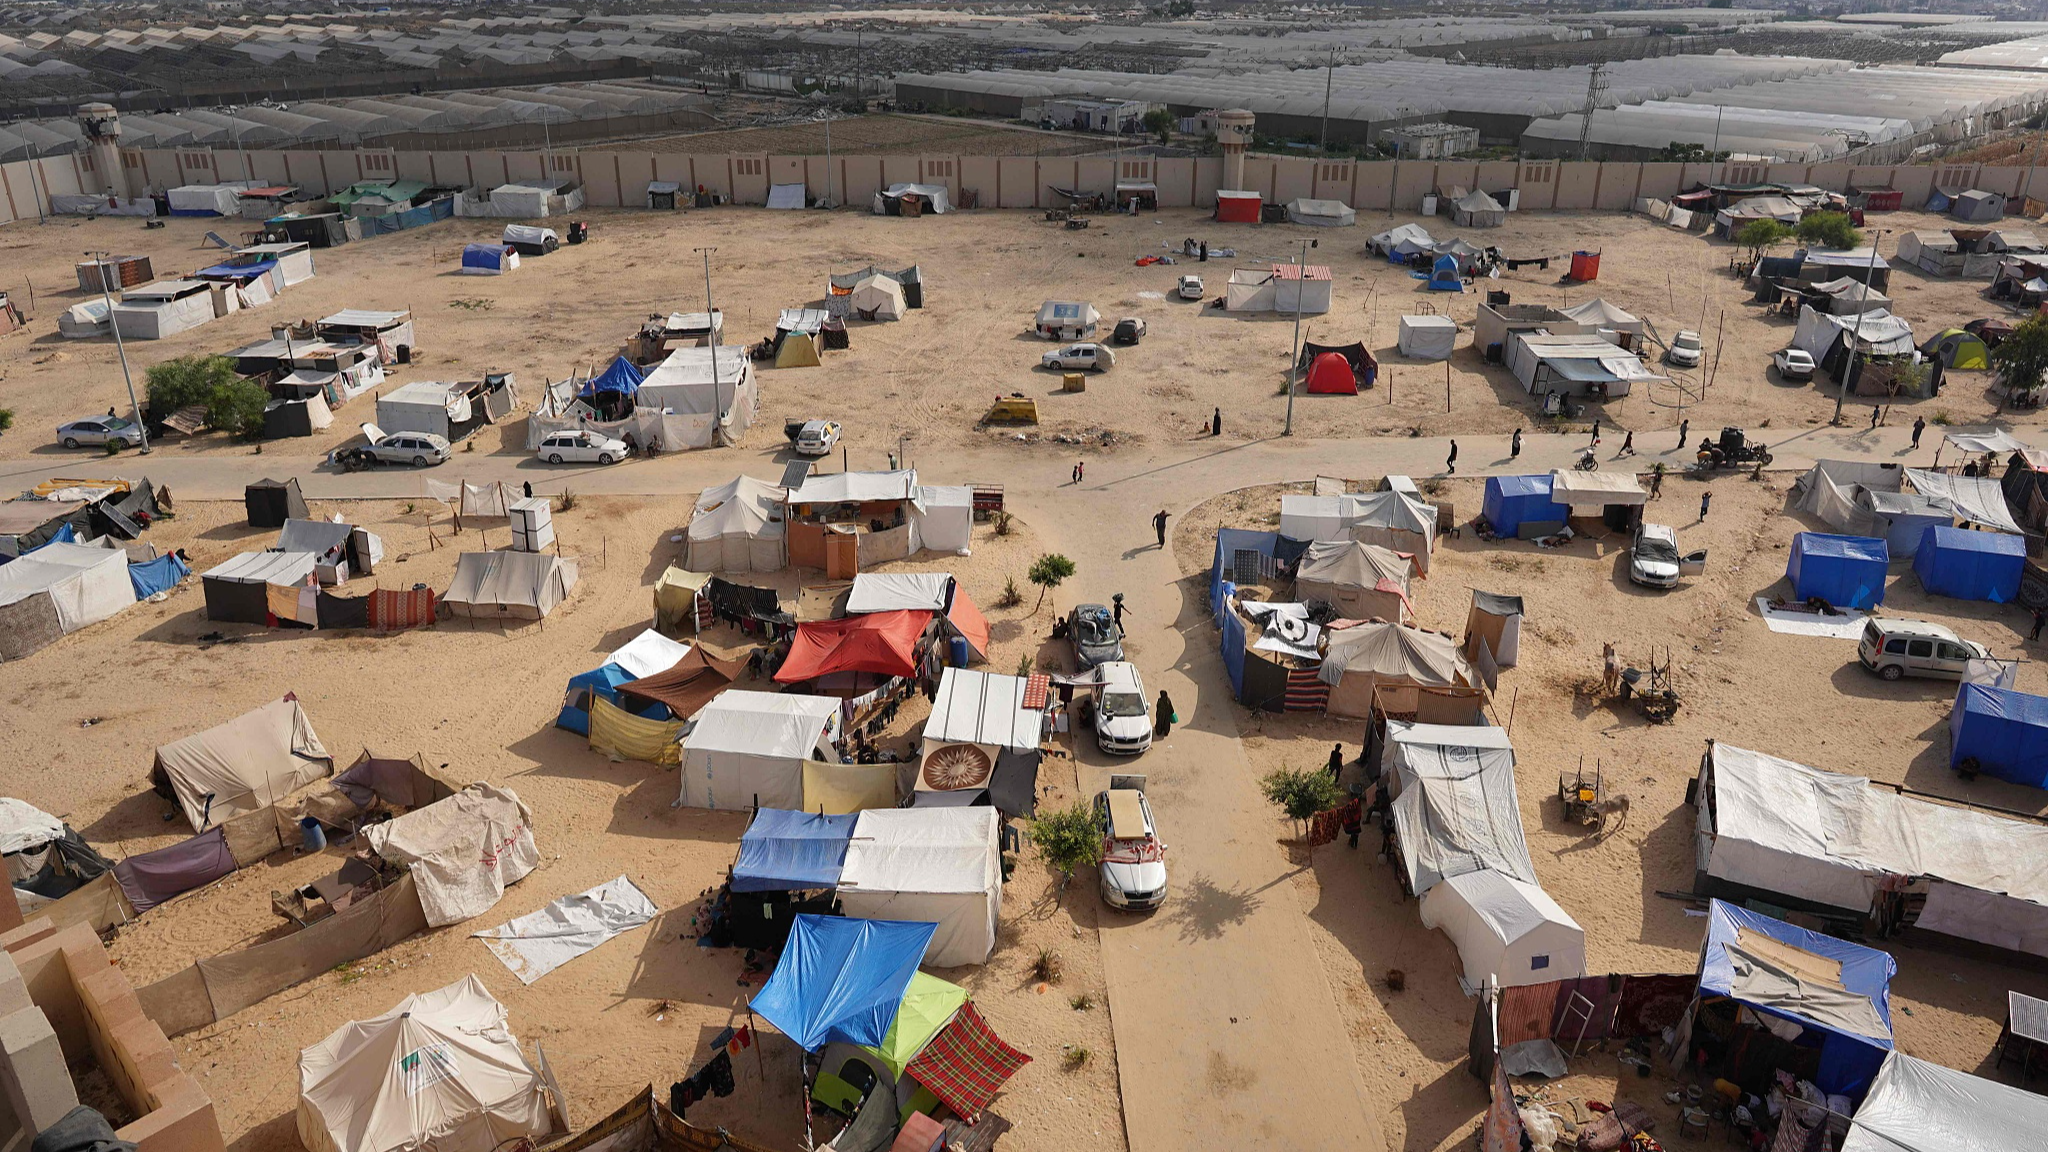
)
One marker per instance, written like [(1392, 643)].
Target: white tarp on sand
[(537, 943), (464, 851)]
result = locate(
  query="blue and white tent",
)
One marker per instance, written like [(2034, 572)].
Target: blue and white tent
[(488, 259), (620, 377), (783, 851)]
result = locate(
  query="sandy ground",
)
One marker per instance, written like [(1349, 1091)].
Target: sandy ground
[(1798, 697), (931, 376), (482, 701)]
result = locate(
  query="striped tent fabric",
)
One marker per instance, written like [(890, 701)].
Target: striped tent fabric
[(966, 1064), (391, 610), (1305, 691)]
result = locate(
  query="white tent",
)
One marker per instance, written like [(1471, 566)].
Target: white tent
[(1916, 1105), (1883, 333), (1428, 337), (509, 585), (890, 591), (1321, 213), (1507, 931), (942, 519), (985, 709), (463, 851), (856, 487), (877, 298), (1476, 209), (1360, 581), (749, 748), (1402, 240), (934, 865), (78, 583), (438, 1073), (786, 196), (714, 384), (1455, 809), (1066, 320), (205, 200), (249, 762), (737, 527), (1389, 519), (1588, 492), (1598, 314)]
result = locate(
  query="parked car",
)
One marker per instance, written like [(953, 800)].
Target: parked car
[(1129, 330), (1793, 364), (1191, 288), (1685, 350), (1095, 636), (1654, 562), (1091, 357), (1123, 716), (418, 449), (817, 437), (1133, 857), (100, 430), (1897, 648), (582, 447)]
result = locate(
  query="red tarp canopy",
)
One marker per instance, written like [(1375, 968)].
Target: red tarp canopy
[(1331, 375), (966, 1064), (967, 620), (884, 643)]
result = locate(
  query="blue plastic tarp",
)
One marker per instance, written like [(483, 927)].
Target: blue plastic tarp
[(484, 255), (621, 377), (154, 576), (237, 271), (600, 681), (1970, 565), (784, 851), (2004, 731), (1845, 571), (842, 979), (1848, 1060), (1512, 501)]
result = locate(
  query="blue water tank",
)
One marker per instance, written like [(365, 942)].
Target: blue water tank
[(956, 652), (312, 837)]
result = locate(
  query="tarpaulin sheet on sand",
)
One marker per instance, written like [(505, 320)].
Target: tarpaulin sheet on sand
[(537, 943)]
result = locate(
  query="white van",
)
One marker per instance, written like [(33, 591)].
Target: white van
[(1896, 648), (1123, 717)]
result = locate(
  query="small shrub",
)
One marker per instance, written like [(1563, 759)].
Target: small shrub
[(1025, 667), (1068, 839), (113, 447), (409, 507), (1081, 1002), (567, 500), (1011, 595), (1940, 417), (1049, 966), (1000, 521), (1075, 1057), (6, 419)]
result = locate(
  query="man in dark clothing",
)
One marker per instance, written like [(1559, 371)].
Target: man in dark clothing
[(1706, 498), (1159, 526), (1628, 443), (1657, 482), (1116, 610), (1216, 423), (1451, 461), (2040, 616), (1876, 414), (1682, 426), (1337, 763), (1515, 445), (1919, 426)]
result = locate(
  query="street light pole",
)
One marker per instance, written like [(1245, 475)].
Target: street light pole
[(1856, 335), (235, 126), (711, 322), (99, 265), (1300, 286)]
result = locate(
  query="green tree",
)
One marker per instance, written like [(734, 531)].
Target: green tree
[(185, 381), (1068, 839), (6, 419), (1758, 235), (2021, 359), (1159, 122), (1301, 792), (236, 408), (1048, 572), (1830, 230)]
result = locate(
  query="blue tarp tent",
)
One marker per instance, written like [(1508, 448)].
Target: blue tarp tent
[(604, 681), (1970, 565), (1845, 571), (783, 851), (842, 979), (1443, 275), (1512, 501), (153, 576), (488, 259), (2004, 731), (1849, 1021), (621, 377)]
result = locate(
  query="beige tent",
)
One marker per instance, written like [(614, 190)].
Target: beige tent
[(515, 585), (1390, 657), (877, 298), (463, 851), (1495, 621), (248, 763), (738, 527), (438, 1073), (799, 350), (1361, 581)]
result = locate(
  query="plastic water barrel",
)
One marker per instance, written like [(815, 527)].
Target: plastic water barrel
[(311, 835), (956, 652)]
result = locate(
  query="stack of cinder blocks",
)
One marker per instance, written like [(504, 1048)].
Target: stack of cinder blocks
[(64, 1004)]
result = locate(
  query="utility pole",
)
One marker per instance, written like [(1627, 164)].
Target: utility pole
[(99, 265), (1856, 336), (235, 126), (828, 159), (1596, 87), (1329, 81), (1300, 286), (711, 322)]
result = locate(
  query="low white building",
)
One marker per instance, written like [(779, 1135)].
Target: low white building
[(1087, 115)]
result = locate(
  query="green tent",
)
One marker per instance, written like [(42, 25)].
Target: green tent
[(1959, 349), (928, 1005)]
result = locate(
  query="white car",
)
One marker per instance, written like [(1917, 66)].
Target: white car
[(1089, 357), (1793, 364), (1123, 716), (1654, 562), (1133, 857), (99, 430), (418, 449), (1191, 288), (817, 437), (1685, 350), (582, 447)]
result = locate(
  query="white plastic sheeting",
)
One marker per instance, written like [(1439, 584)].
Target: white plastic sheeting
[(942, 519), (24, 826), (1508, 931), (889, 591), (648, 653), (1454, 803), (1883, 333), (932, 865), (1595, 489), (985, 708), (463, 851), (748, 748), (537, 943), (1916, 1105), (85, 584), (786, 196)]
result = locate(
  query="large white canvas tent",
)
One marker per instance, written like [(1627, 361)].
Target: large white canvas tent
[(463, 851), (1774, 828), (440, 1072), (1599, 316), (877, 298), (1390, 519), (249, 762), (205, 200), (942, 519), (1427, 337), (748, 748), (56, 590), (1360, 581), (1321, 213), (1508, 931), (738, 527), (937, 866), (713, 390), (1915, 1105), (1879, 332), (1392, 660), (1455, 809), (1476, 209), (509, 585)]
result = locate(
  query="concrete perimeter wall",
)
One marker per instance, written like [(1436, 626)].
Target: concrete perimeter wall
[(619, 179)]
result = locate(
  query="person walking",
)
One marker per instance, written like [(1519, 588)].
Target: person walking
[(1919, 426), (1682, 426), (1628, 444), (1515, 445), (1876, 414), (2040, 617), (1706, 499), (528, 489), (1451, 461), (1596, 432), (1216, 423), (1657, 481), (1162, 716), (1336, 763), (1116, 610), (1159, 526)]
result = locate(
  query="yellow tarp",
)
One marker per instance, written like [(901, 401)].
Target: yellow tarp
[(675, 598), (837, 789), (623, 736)]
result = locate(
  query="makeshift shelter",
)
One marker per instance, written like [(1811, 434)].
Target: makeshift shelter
[(1331, 375), (1359, 581), (841, 979), (785, 197), (150, 577), (1977, 205), (747, 749), (685, 686), (942, 519), (1846, 296), (929, 1005), (877, 298), (1956, 348), (439, 1071), (509, 585), (983, 734), (1390, 519), (785, 851), (1913, 1104), (1496, 621), (1321, 213), (45, 861), (797, 350), (937, 866), (1969, 565), (85, 320), (164, 309), (1454, 804), (1238, 207), (462, 852), (249, 762), (262, 587), (1365, 369), (878, 643), (1829, 339), (1446, 274), (1845, 571), (1611, 323), (1508, 932), (1819, 992), (1066, 320), (489, 259), (1524, 507), (1283, 288), (2000, 732), (1401, 241), (679, 598), (707, 395), (1476, 209), (290, 418), (204, 200), (912, 200), (738, 527), (1427, 337), (1386, 663), (650, 653), (583, 692), (1612, 496), (56, 590), (530, 239)]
